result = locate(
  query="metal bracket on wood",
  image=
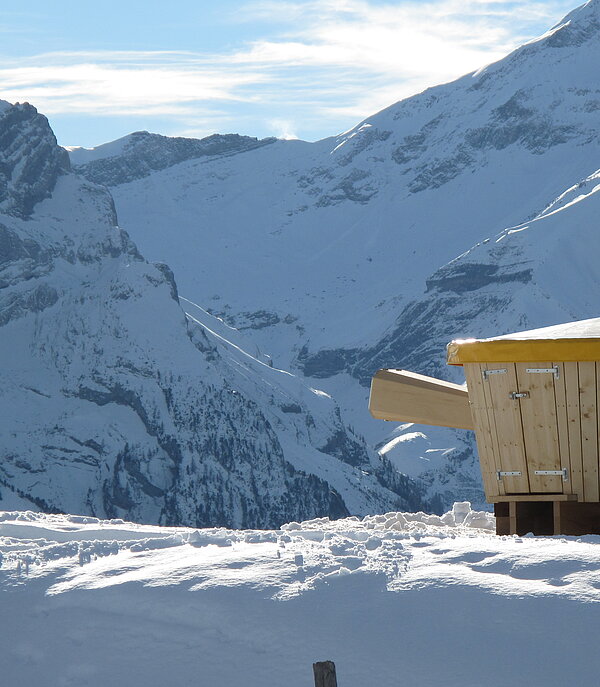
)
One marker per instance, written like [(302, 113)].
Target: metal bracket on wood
[(540, 370), (518, 394), (487, 373), (561, 473), (508, 473)]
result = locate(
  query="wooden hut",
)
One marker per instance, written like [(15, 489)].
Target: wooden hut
[(533, 399)]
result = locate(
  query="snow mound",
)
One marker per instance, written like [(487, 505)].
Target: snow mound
[(433, 600)]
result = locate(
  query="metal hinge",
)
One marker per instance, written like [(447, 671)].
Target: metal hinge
[(518, 394), (508, 473), (540, 370), (560, 473), (487, 373)]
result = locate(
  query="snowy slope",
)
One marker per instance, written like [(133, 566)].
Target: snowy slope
[(345, 229), (334, 258), (392, 599), (539, 272), (543, 270), (113, 403)]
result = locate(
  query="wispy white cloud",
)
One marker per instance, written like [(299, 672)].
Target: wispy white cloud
[(331, 59), (401, 38), (106, 83)]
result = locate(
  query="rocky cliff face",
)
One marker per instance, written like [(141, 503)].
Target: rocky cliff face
[(138, 155), (115, 404), (30, 160)]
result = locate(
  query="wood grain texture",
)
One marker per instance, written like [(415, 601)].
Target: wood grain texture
[(403, 396), (571, 375), (540, 431), (589, 429), (509, 430), (598, 418), (560, 396), (483, 430), (492, 424), (512, 517), (556, 516)]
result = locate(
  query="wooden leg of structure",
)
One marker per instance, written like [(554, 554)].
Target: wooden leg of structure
[(557, 512), (576, 518), (512, 517), (547, 518), (501, 511)]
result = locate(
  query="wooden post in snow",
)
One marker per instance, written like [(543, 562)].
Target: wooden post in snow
[(324, 672)]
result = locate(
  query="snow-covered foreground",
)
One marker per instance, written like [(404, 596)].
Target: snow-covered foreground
[(396, 599)]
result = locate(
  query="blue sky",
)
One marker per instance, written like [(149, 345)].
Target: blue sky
[(307, 69)]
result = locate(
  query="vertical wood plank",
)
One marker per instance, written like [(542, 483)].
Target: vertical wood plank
[(589, 429), (560, 397), (509, 429), (540, 432), (495, 447), (598, 419), (557, 516), (512, 517), (571, 374), (483, 431)]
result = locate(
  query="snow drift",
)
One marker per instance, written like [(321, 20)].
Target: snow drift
[(395, 598)]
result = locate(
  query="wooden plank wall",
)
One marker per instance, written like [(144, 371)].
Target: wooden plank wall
[(540, 427), (507, 426), (580, 383), (582, 389), (485, 430), (576, 437), (589, 429), (562, 423), (571, 376)]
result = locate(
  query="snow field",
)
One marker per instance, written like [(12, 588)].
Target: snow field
[(393, 599)]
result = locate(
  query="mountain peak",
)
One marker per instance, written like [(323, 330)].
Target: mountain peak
[(579, 26), (584, 12), (30, 158)]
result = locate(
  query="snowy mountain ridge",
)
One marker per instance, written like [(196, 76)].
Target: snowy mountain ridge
[(139, 154), (113, 404), (377, 247), (236, 394)]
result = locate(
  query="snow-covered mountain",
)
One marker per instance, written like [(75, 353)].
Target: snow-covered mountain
[(141, 153), (338, 257), (114, 403)]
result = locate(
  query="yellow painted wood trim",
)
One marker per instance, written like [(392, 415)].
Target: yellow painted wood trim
[(522, 351)]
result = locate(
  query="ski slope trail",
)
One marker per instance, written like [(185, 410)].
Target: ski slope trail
[(394, 599)]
